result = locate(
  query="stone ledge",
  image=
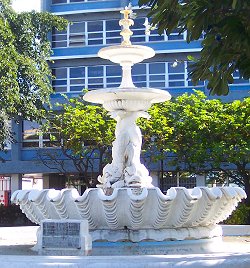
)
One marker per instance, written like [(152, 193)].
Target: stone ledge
[(235, 230), (190, 261)]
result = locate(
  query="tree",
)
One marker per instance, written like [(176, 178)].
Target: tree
[(25, 84), (225, 25), (204, 135), (85, 133)]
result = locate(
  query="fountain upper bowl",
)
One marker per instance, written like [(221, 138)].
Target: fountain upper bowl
[(120, 53)]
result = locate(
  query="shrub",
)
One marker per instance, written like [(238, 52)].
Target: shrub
[(239, 216), (13, 216)]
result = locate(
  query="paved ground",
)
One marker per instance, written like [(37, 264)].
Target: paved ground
[(20, 240), (16, 252)]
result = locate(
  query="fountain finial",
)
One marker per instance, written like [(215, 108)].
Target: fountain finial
[(126, 22)]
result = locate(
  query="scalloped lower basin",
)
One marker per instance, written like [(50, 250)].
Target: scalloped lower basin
[(134, 209)]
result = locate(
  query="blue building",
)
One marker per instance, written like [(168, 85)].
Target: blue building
[(93, 25)]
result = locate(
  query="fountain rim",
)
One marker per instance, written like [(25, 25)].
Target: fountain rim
[(153, 95)]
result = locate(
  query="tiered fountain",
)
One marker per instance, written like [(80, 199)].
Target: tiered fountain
[(126, 206)]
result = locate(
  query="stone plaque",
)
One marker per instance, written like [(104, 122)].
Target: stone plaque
[(61, 234)]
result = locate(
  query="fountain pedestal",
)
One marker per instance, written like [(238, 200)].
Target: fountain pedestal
[(126, 104)]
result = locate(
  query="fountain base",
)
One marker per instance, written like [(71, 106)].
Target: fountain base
[(169, 234)]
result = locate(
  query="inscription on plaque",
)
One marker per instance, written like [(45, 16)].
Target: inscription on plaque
[(61, 235)]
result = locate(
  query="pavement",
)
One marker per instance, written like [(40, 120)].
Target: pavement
[(16, 245)]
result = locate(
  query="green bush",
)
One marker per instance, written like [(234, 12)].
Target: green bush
[(239, 216), (13, 216)]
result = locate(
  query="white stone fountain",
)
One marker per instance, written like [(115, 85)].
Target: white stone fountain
[(126, 206)]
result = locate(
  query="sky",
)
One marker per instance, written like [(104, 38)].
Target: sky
[(26, 5)]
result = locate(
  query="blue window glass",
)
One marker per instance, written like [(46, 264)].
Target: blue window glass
[(140, 84), (176, 67), (60, 73), (113, 71), (114, 40), (200, 83), (156, 68), (113, 79), (113, 85), (59, 38), (176, 83), (156, 38), (59, 82), (113, 25), (76, 88), (176, 76), (95, 26), (95, 80), (59, 1), (77, 81), (77, 72), (139, 69), (138, 78), (95, 71), (157, 77), (157, 84), (93, 86), (138, 30)]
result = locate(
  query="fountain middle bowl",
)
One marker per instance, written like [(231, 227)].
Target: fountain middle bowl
[(129, 99)]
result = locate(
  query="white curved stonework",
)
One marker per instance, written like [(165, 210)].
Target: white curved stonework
[(136, 214)]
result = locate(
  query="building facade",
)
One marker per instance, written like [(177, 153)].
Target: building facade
[(93, 25)]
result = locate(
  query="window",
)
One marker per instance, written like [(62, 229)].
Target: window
[(95, 77), (138, 30), (95, 32), (59, 1), (176, 74), (113, 32), (157, 75), (31, 134), (77, 34), (113, 76), (59, 38), (102, 32), (33, 137), (139, 75), (77, 78), (187, 181), (154, 36), (59, 81), (238, 79), (177, 179), (4, 183)]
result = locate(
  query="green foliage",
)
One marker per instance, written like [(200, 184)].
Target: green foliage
[(86, 132), (83, 124), (25, 84), (5, 132), (225, 25), (239, 216), (203, 134)]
